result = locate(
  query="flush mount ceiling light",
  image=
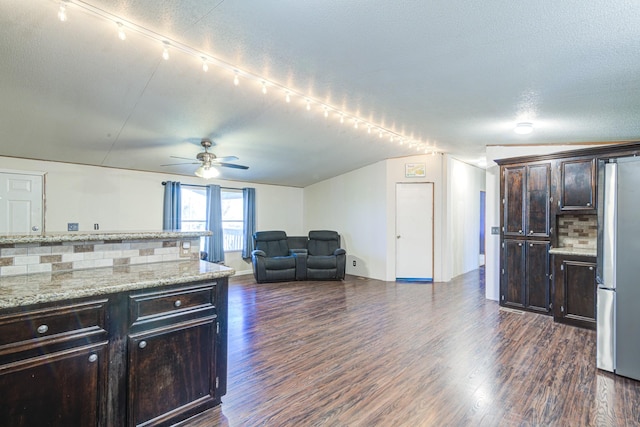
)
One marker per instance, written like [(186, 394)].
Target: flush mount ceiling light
[(523, 128)]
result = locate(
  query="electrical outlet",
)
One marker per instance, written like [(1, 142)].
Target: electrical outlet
[(96, 226), (72, 226), (185, 248), (354, 262), (495, 230)]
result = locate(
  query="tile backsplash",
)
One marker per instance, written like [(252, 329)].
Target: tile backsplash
[(578, 231), (25, 258)]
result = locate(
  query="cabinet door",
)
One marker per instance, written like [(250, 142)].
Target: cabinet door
[(171, 372), (66, 388), (514, 200), (537, 206), (578, 185), (513, 274), (578, 293), (537, 276)]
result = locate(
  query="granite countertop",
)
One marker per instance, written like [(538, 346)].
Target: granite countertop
[(573, 251), (36, 288), (98, 236)]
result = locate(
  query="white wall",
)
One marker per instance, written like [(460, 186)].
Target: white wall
[(361, 206), (354, 205), (464, 184), (492, 242), (124, 200)]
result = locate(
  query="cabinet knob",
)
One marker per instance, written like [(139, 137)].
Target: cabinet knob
[(530, 231), (520, 231), (530, 245), (519, 244), (588, 204), (591, 268), (93, 357), (178, 303), (142, 344), (42, 329)]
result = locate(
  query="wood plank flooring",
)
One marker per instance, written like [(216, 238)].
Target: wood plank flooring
[(364, 352)]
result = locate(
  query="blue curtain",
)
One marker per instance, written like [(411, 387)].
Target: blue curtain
[(249, 204), (214, 244), (172, 212)]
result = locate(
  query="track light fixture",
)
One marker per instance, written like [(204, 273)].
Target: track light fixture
[(208, 60)]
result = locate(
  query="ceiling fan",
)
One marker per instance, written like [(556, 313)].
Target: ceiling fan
[(208, 162)]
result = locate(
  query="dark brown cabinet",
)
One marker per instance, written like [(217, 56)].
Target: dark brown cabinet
[(578, 185), (526, 193), (575, 290), (525, 275), (53, 365), (133, 358), (174, 333)]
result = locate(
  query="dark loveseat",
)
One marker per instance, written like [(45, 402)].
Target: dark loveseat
[(279, 257)]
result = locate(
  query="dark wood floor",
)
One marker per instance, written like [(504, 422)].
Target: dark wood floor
[(369, 353)]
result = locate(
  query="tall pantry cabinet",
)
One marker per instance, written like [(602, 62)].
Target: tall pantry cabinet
[(525, 192)]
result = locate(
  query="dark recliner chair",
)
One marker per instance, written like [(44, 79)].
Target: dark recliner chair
[(273, 261), (326, 260)]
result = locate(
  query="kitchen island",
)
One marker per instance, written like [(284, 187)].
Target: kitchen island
[(141, 341)]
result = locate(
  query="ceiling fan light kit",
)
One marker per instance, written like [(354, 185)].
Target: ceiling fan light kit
[(209, 162), (207, 172)]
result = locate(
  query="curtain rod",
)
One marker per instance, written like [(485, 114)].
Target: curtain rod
[(204, 186)]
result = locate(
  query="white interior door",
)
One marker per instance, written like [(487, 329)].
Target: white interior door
[(20, 203), (414, 231)]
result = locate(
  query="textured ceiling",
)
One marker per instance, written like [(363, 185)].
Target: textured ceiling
[(454, 74)]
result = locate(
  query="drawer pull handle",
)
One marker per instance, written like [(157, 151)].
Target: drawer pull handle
[(42, 329), (177, 304), (142, 344), (93, 358)]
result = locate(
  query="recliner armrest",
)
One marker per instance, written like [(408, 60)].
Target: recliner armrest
[(298, 251), (339, 251), (258, 252)]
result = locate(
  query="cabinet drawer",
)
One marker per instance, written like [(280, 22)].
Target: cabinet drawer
[(60, 323), (172, 302)]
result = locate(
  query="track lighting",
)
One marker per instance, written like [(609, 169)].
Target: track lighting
[(165, 51), (208, 59), (121, 34), (62, 12)]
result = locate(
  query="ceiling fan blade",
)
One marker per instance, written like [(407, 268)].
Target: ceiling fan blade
[(183, 158), (231, 165), (176, 164), (225, 159)]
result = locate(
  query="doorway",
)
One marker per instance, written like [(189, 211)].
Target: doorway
[(21, 203), (414, 231)]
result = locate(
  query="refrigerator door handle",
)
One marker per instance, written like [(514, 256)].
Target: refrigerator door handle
[(605, 351)]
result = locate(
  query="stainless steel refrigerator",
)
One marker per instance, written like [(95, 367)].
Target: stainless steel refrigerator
[(618, 274)]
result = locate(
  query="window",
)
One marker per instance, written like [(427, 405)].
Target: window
[(232, 219), (194, 214)]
